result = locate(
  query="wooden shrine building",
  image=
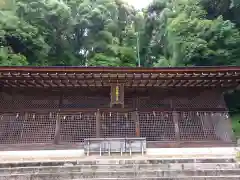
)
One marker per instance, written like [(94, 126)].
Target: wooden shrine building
[(170, 107)]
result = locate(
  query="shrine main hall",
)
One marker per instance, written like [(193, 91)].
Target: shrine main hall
[(64, 106)]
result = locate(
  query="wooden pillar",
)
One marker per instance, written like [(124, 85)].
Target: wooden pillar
[(58, 121), (176, 126), (57, 130), (135, 118), (98, 123), (23, 125), (203, 124)]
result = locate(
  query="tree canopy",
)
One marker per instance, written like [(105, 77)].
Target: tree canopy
[(113, 33)]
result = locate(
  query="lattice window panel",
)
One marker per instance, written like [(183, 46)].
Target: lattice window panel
[(24, 101), (190, 127), (208, 121), (6, 101), (222, 126), (77, 101), (157, 126), (154, 102), (27, 128), (130, 102), (117, 125), (11, 128), (207, 99), (77, 127), (38, 128)]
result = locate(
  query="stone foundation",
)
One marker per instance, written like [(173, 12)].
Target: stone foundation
[(107, 168)]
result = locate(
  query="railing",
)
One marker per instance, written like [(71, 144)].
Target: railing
[(73, 127), (115, 145)]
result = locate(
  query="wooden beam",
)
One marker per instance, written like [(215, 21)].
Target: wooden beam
[(55, 82), (115, 79), (169, 82), (38, 82), (48, 83), (194, 83), (57, 129), (181, 83), (64, 83), (101, 79), (98, 124), (176, 126), (33, 83), (175, 82), (77, 110), (213, 69), (8, 83), (84, 78), (71, 83), (15, 83), (137, 124), (24, 83), (201, 83)]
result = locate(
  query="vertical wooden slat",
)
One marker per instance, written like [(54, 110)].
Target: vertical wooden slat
[(60, 102), (203, 126), (135, 118), (57, 129), (177, 131), (58, 121), (98, 123), (25, 120)]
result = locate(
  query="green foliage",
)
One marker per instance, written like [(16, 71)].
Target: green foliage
[(102, 60), (236, 124), (189, 38), (83, 32), (11, 59), (211, 42), (73, 32), (18, 38)]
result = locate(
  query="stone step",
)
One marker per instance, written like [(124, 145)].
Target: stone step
[(123, 175), (144, 178), (124, 167), (115, 161), (103, 168), (124, 172)]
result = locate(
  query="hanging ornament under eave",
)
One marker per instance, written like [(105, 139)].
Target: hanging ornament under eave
[(166, 115), (226, 115), (154, 113), (117, 95)]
